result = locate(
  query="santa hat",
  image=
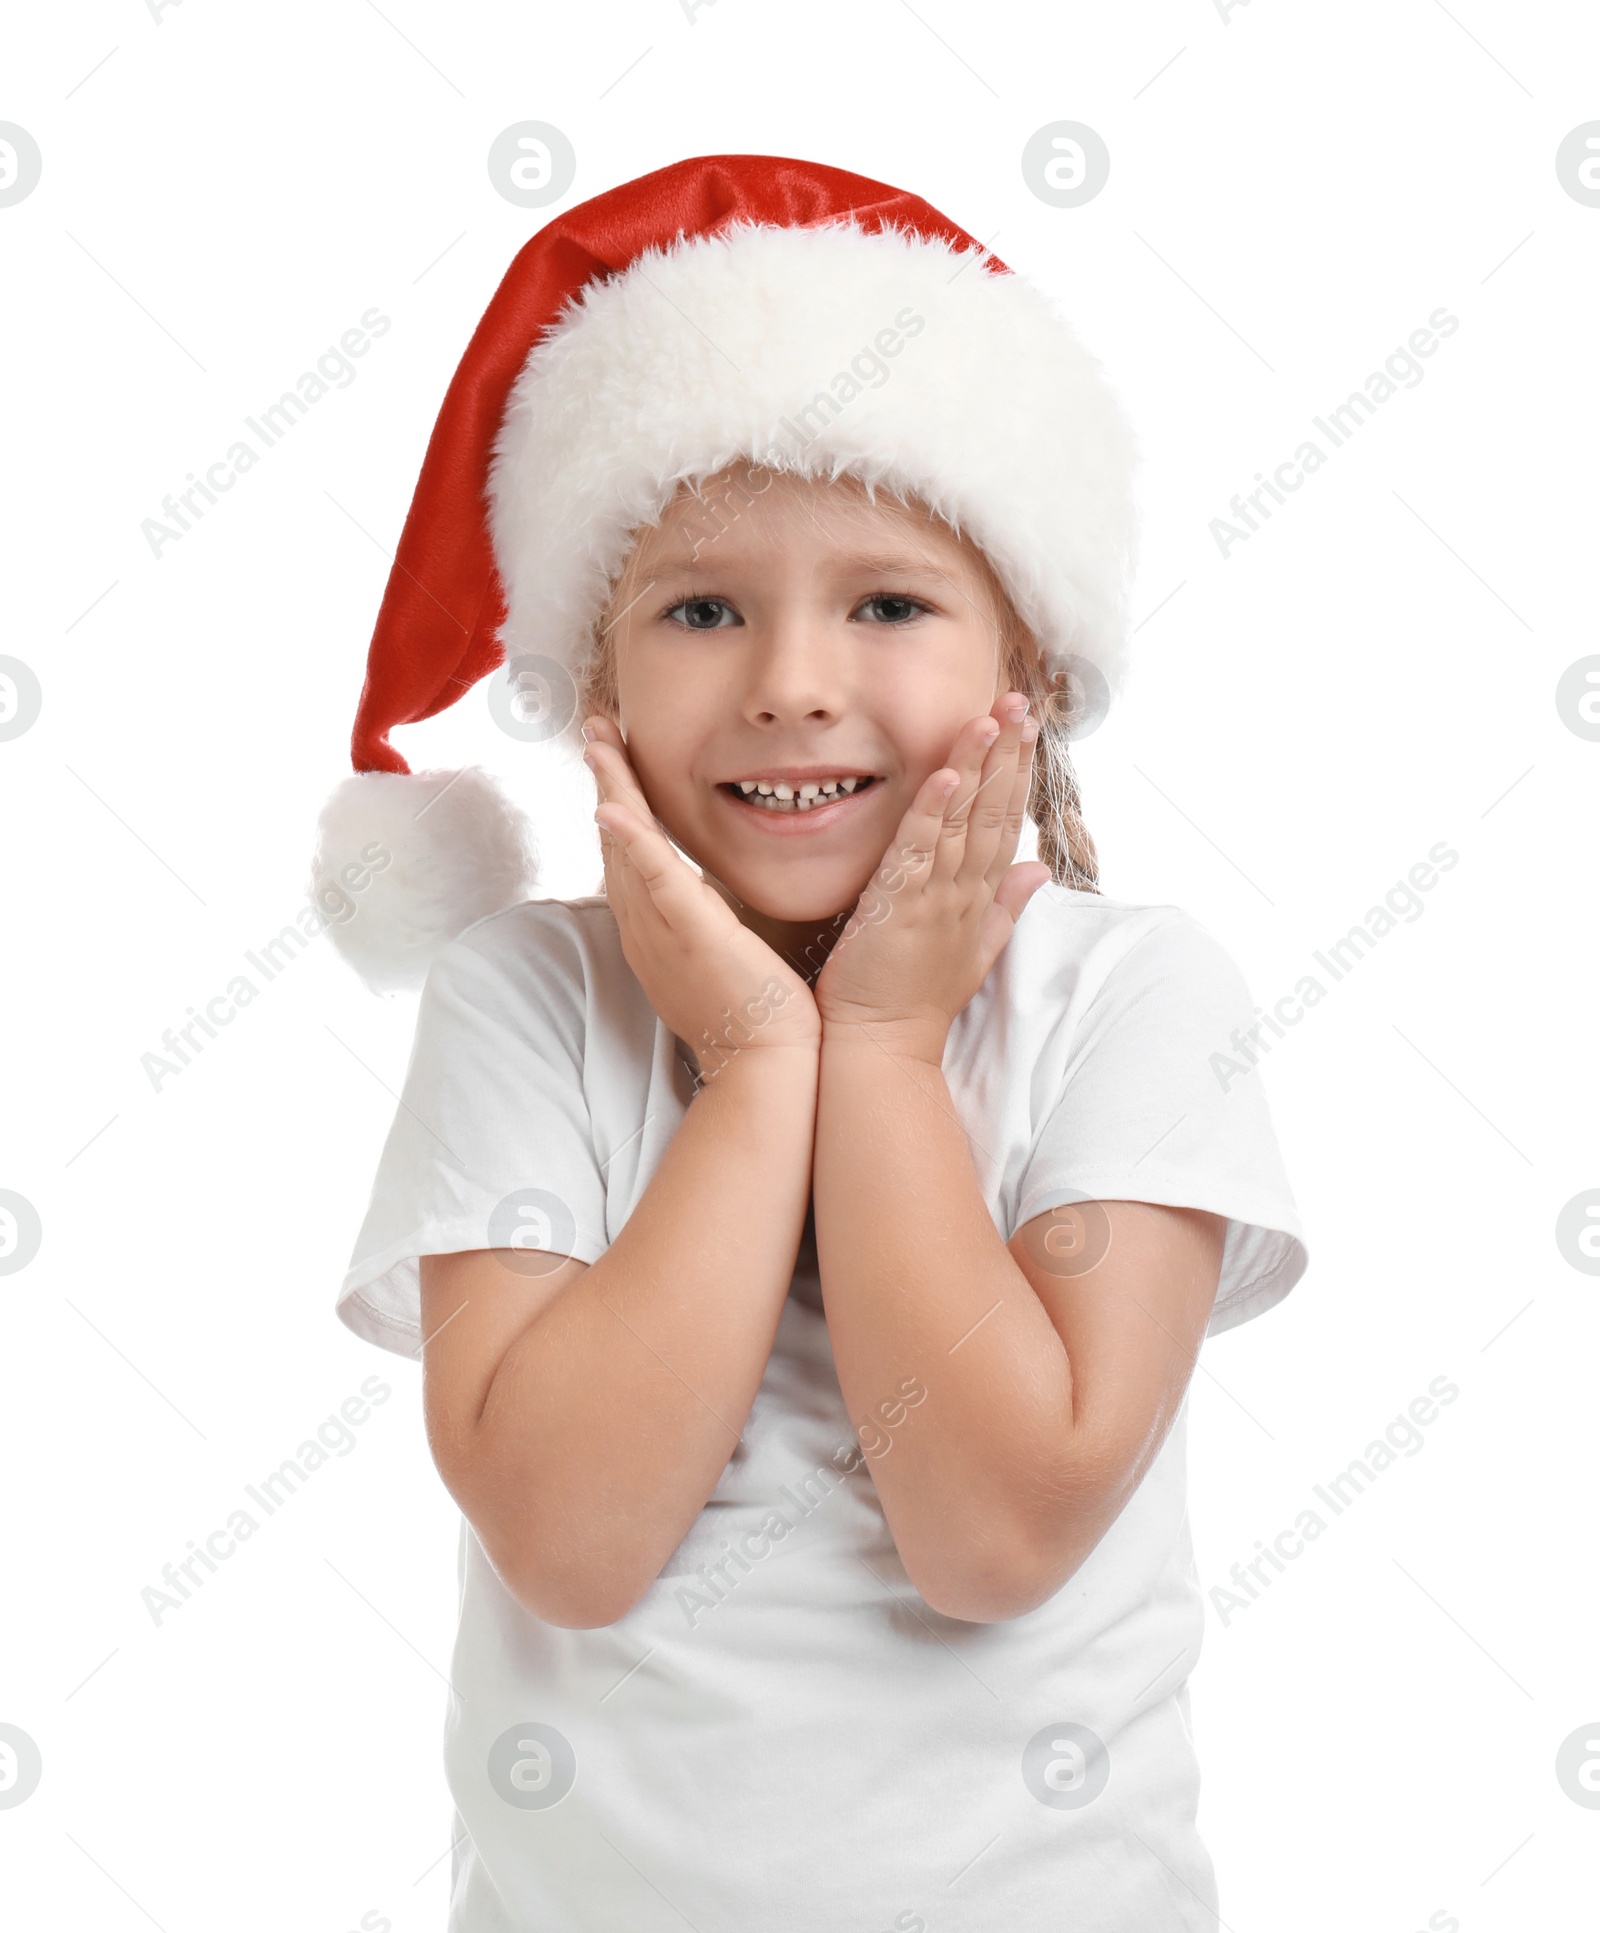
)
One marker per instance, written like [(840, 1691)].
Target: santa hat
[(730, 306)]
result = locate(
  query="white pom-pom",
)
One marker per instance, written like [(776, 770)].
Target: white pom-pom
[(408, 861)]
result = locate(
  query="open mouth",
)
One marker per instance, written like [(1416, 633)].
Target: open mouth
[(780, 799)]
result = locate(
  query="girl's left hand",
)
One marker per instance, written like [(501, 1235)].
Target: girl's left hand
[(936, 914)]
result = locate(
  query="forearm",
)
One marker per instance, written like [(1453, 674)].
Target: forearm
[(611, 1418), (917, 1282)]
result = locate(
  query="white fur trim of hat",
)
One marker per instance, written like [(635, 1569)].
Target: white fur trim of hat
[(819, 351)]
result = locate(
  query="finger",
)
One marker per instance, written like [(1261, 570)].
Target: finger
[(614, 776), (618, 873), (989, 810), (1019, 886), (967, 758), (615, 785), (908, 864), (615, 779), (1016, 806), (664, 886), (610, 851), (673, 890), (623, 886), (638, 922)]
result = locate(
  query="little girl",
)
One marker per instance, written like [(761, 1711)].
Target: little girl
[(809, 1240)]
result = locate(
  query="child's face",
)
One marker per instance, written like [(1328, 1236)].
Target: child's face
[(779, 622)]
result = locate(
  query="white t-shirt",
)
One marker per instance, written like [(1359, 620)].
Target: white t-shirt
[(781, 1736)]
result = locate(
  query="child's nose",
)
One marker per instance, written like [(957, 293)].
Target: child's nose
[(798, 671)]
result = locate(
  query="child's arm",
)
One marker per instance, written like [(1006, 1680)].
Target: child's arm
[(1047, 1396), (582, 1418), (1048, 1393)]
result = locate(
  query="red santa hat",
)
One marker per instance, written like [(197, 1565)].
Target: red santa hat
[(726, 307)]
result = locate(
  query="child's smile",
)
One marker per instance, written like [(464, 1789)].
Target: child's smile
[(799, 799)]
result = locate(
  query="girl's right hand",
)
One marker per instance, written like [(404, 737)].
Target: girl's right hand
[(719, 987)]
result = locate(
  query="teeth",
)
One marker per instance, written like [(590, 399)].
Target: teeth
[(777, 796)]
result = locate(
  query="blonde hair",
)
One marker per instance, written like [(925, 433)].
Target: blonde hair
[(1054, 804)]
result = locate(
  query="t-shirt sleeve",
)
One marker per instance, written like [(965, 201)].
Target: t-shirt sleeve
[(1159, 1103), (492, 1144)]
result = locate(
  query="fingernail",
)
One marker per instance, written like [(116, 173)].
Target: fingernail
[(1030, 731)]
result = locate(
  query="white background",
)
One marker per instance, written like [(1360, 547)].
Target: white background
[(1293, 191)]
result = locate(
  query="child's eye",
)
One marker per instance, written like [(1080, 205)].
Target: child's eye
[(905, 608), (700, 607), (716, 613)]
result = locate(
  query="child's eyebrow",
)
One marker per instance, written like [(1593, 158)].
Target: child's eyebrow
[(890, 564), (684, 563)]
